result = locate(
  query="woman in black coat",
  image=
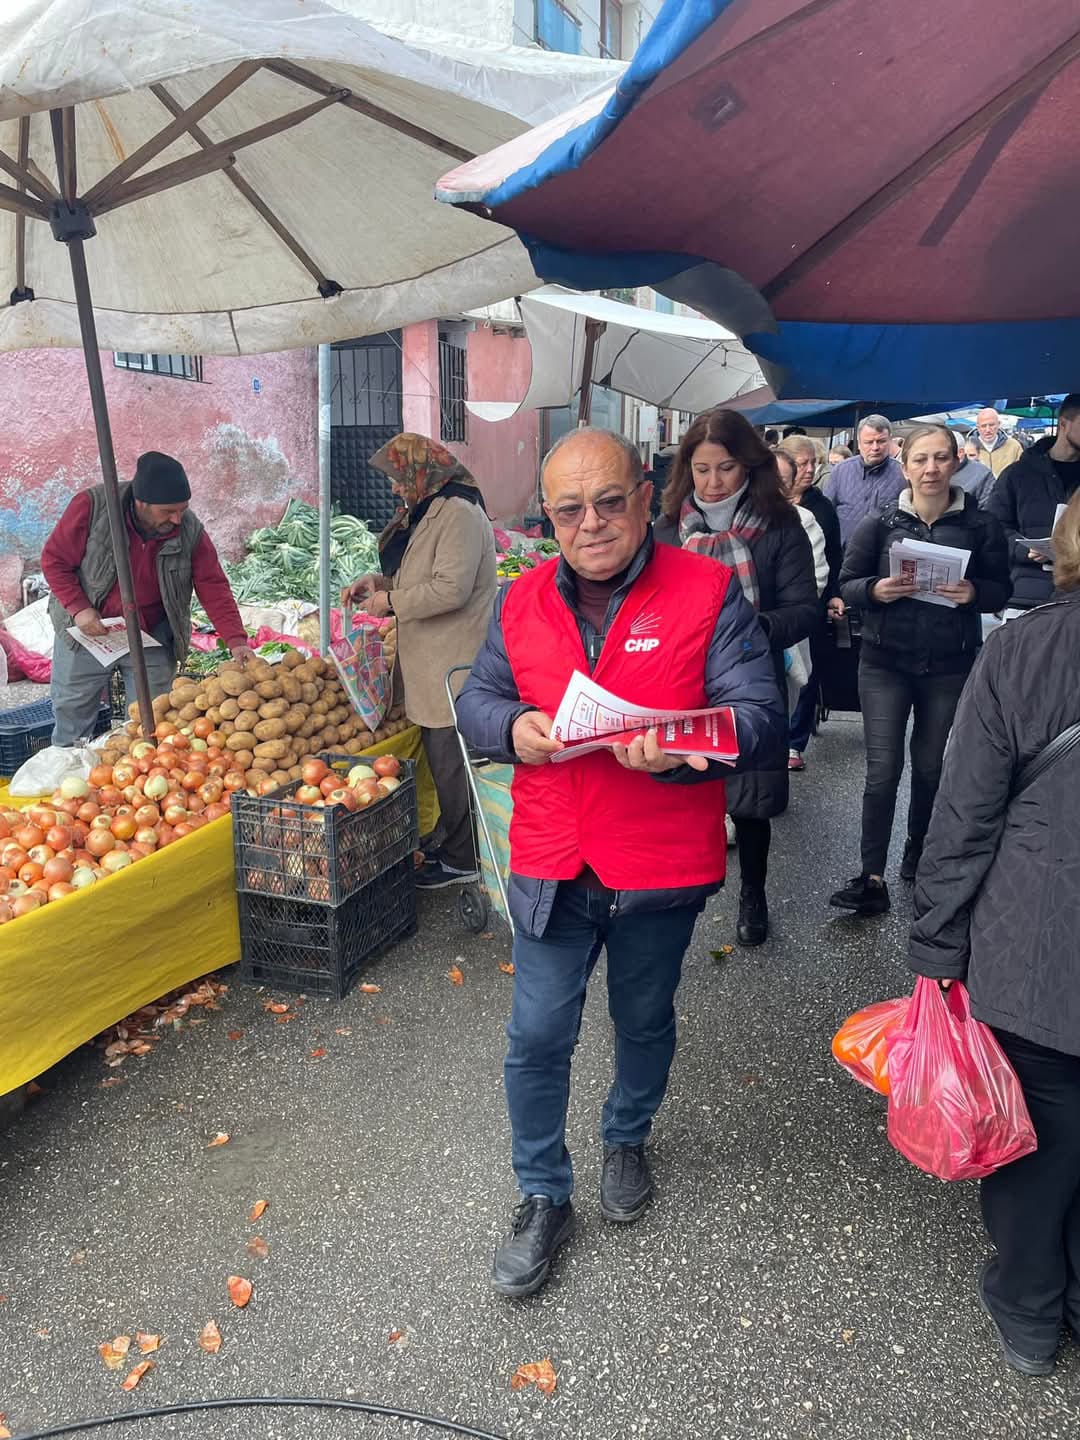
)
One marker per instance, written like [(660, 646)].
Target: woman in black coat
[(916, 654), (997, 905), (724, 499)]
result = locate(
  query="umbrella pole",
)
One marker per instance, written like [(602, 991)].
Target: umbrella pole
[(117, 525), (593, 330), (325, 598)]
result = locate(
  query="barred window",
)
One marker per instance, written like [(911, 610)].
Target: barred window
[(181, 367), (453, 391)]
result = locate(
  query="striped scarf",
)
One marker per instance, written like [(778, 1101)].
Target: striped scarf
[(731, 547)]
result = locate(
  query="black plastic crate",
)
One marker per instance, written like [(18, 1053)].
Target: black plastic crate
[(28, 728), (321, 950), (301, 852)]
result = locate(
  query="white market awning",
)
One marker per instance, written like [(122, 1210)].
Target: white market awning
[(231, 260), (675, 361)]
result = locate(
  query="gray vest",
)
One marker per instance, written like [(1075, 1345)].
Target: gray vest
[(97, 572)]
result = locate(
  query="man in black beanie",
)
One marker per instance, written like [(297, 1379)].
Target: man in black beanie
[(171, 557)]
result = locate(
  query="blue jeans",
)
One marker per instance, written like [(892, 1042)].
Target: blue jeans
[(804, 716), (644, 963)]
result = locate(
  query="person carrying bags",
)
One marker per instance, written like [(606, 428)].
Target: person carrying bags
[(997, 906)]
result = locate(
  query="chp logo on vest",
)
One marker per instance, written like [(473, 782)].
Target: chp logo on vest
[(641, 641)]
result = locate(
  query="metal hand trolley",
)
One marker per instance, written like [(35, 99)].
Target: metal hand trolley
[(492, 807)]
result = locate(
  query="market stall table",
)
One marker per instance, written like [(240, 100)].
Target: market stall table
[(73, 968)]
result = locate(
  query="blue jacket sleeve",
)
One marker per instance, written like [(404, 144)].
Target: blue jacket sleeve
[(740, 672), (489, 702)]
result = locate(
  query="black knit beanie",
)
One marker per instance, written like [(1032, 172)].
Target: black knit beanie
[(160, 480)]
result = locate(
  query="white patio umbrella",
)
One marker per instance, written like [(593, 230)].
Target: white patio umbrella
[(230, 179), (681, 362)]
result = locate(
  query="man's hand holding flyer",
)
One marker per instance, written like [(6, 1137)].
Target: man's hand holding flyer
[(590, 718)]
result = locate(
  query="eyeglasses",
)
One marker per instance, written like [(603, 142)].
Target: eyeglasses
[(569, 517)]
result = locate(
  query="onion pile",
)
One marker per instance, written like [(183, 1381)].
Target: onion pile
[(90, 829), (271, 719), (364, 784)]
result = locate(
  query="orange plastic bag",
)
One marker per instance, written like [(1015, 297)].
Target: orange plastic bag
[(861, 1043)]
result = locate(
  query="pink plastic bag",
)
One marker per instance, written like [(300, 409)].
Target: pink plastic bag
[(861, 1043), (24, 664), (956, 1108)]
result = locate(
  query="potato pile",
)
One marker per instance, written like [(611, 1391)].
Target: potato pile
[(270, 718)]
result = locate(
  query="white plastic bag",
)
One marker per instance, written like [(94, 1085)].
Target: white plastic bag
[(44, 771), (3, 666), (797, 665)]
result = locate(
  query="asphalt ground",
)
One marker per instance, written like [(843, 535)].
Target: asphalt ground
[(794, 1279)]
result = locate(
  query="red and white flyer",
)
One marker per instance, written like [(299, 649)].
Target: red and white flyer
[(591, 718)]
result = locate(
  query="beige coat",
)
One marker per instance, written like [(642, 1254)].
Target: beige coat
[(443, 597), (1002, 455)]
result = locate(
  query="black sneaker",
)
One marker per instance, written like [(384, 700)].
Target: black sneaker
[(752, 927), (862, 895), (1034, 1365), (524, 1258), (434, 875), (625, 1184), (909, 865)]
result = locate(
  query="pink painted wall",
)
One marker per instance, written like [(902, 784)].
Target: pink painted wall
[(503, 456), (420, 378), (246, 453)]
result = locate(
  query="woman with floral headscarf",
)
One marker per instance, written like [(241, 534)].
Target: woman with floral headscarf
[(438, 578)]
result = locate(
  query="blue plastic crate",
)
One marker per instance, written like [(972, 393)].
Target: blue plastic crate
[(28, 728)]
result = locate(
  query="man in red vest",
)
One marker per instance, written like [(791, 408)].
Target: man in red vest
[(612, 850)]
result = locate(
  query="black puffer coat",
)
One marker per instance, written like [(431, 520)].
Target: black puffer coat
[(789, 611), (998, 898), (912, 635), (1025, 500)]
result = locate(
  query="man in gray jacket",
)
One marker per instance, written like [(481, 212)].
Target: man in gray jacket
[(973, 477), (868, 482)]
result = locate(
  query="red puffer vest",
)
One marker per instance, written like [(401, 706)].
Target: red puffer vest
[(635, 833)]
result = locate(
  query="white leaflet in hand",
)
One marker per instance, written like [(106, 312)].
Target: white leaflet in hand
[(588, 710), (930, 566), (1045, 543), (107, 649)]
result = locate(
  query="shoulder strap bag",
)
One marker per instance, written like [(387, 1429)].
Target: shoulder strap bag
[(1056, 750)]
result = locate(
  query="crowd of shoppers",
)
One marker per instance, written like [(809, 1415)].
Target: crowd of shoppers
[(757, 550)]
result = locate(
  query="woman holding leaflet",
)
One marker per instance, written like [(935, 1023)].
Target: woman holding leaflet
[(916, 656)]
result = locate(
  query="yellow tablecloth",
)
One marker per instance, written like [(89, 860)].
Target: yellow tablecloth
[(72, 969)]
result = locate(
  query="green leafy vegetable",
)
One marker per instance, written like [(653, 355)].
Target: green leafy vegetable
[(282, 560)]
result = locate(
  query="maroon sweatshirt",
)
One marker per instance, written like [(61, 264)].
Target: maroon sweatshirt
[(64, 550)]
